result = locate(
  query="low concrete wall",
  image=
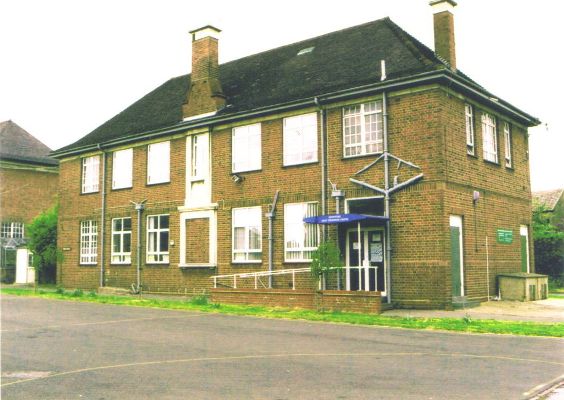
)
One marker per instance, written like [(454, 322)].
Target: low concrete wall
[(326, 300)]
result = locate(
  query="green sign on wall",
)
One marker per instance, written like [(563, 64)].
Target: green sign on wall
[(504, 236)]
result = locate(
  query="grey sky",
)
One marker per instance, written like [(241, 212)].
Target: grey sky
[(68, 66)]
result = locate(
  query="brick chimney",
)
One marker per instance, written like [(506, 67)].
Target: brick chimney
[(205, 94), (443, 21)]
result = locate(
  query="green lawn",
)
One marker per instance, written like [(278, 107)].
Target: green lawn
[(201, 304)]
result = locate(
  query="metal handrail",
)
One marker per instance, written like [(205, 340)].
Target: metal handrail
[(258, 274)]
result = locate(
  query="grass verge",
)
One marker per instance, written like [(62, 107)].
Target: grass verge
[(201, 303)]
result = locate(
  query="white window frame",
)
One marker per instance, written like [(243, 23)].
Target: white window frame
[(489, 138), (88, 242), (469, 113), (293, 229), (507, 138), (156, 256), (12, 230), (300, 139), (90, 174), (122, 169), (158, 163), (247, 218), (246, 152), (357, 116), (121, 256)]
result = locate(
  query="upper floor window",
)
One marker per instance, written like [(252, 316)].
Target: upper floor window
[(198, 162), (489, 137), (158, 163), (246, 148), (88, 242), (300, 239), (122, 169), (469, 129), (247, 234), (507, 139), (363, 129), (90, 174), (12, 230), (300, 139), (157, 238), (121, 240)]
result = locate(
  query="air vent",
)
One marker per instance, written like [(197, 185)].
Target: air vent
[(305, 51)]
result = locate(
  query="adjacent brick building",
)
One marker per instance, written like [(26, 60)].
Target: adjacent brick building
[(220, 169), (28, 186)]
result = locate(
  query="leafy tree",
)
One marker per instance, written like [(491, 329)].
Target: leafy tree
[(324, 259), (549, 245), (42, 235)]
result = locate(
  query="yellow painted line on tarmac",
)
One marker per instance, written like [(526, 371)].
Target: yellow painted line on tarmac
[(272, 356), (111, 321)]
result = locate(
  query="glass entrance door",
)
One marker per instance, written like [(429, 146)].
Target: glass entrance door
[(365, 260)]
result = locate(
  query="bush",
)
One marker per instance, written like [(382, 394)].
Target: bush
[(42, 233), (200, 300), (549, 246)]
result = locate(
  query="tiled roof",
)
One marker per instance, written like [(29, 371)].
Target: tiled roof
[(548, 198), (337, 61), (16, 144)]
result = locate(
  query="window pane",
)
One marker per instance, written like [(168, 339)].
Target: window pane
[(163, 241), (164, 222), (127, 243), (239, 238), (158, 162)]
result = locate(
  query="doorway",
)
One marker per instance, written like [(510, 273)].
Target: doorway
[(365, 260), (457, 256)]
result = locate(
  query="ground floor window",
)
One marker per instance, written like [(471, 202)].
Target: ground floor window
[(247, 234), (300, 239), (157, 238), (12, 230), (88, 242), (121, 241)]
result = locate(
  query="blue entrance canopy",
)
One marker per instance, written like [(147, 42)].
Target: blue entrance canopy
[(342, 218)]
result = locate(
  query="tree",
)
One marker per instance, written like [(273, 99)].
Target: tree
[(324, 259), (549, 246), (42, 235)]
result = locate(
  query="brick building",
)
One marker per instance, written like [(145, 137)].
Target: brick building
[(213, 173), (28, 186)]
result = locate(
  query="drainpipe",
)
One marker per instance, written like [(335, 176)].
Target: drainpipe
[(103, 216), (323, 166), (270, 215), (387, 199), (139, 207)]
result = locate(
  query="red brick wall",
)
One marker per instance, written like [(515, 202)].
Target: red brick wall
[(426, 127), (360, 302), (24, 194)]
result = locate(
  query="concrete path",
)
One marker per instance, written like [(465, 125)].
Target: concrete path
[(551, 310)]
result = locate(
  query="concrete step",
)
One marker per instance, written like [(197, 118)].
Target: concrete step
[(461, 302)]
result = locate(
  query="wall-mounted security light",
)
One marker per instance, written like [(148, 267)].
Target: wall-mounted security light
[(236, 178)]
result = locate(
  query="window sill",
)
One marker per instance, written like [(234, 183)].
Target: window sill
[(128, 264), (158, 183), (87, 193), (492, 163), (197, 266), (300, 164), (474, 156), (297, 262), (361, 156), (246, 170), (252, 263), (157, 264), (121, 188), (88, 264)]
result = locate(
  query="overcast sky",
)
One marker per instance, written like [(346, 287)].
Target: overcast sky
[(68, 65)]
